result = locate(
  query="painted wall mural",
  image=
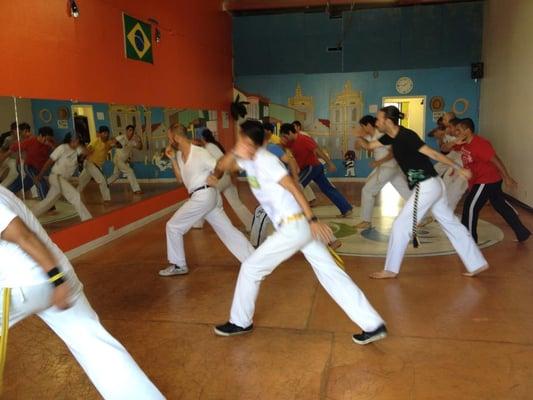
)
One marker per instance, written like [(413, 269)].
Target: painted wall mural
[(329, 106)]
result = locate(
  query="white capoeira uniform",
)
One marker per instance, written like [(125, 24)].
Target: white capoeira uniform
[(387, 172), (121, 161), (204, 202), (292, 234), (456, 185), (228, 189), (65, 164), (107, 363), (431, 197)]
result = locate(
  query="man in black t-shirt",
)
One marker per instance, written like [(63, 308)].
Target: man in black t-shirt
[(413, 156)]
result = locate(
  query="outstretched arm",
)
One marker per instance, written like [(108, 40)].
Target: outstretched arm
[(509, 182), (369, 145), (437, 156)]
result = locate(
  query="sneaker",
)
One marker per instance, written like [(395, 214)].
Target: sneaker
[(346, 214), (369, 337), (229, 329), (174, 269)]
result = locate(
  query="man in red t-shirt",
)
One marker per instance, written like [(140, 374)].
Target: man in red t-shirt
[(306, 152), (488, 173), (35, 151)]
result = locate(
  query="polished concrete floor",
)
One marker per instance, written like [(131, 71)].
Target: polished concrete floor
[(451, 337)]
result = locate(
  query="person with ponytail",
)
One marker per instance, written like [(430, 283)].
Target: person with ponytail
[(225, 185), (429, 194)]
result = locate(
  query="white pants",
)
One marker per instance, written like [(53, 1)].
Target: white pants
[(206, 204), (11, 165), (309, 194), (377, 179), (228, 189), (122, 166), (456, 187), (107, 363), (432, 197), (285, 242), (60, 186), (90, 170)]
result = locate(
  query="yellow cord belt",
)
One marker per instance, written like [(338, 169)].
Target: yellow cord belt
[(338, 260), (6, 295)]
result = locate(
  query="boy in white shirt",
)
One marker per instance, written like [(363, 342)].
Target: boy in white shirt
[(192, 165), (64, 160), (125, 146), (41, 281), (297, 229)]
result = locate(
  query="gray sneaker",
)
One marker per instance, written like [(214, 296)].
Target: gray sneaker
[(174, 269)]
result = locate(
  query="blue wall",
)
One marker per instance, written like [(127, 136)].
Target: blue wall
[(376, 39), (450, 83)]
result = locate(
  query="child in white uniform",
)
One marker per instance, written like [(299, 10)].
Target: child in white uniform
[(42, 282), (225, 185), (296, 230), (413, 156), (127, 143), (386, 170), (192, 165), (65, 162)]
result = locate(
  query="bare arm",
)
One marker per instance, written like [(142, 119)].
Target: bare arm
[(367, 145), (171, 154), (320, 231), (45, 168), (322, 154), (18, 233), (437, 156), (388, 157), (294, 169), (510, 182), (227, 163)]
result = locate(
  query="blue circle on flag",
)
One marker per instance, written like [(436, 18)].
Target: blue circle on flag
[(139, 40)]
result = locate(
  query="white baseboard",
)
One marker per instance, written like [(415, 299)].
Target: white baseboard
[(115, 234)]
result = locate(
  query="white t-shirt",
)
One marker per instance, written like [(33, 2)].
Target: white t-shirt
[(214, 151), (198, 167), (382, 151), (264, 173), (66, 160), (17, 268), (127, 146)]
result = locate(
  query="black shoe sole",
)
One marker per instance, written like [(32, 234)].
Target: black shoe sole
[(226, 334), (374, 338)]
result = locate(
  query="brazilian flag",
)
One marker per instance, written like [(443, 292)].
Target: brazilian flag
[(137, 39)]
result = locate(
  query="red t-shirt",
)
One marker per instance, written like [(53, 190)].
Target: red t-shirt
[(36, 153), (477, 156), (303, 150)]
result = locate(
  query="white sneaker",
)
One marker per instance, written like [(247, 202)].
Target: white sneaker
[(173, 269)]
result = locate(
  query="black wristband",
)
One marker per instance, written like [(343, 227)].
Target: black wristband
[(314, 218), (56, 277)]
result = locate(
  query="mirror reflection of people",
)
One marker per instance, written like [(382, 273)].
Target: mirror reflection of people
[(225, 185), (35, 151), (44, 284), (97, 152), (125, 144), (192, 165), (10, 162), (64, 163)]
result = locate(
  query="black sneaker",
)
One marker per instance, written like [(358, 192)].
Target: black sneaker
[(229, 329), (369, 337)]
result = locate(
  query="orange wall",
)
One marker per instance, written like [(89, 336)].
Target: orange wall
[(48, 54)]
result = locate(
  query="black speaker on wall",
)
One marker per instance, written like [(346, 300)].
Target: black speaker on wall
[(476, 71)]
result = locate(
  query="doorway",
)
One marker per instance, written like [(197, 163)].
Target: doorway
[(414, 108), (84, 121)]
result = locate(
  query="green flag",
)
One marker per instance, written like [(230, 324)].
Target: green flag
[(137, 39)]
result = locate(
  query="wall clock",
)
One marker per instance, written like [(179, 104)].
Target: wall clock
[(404, 85)]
